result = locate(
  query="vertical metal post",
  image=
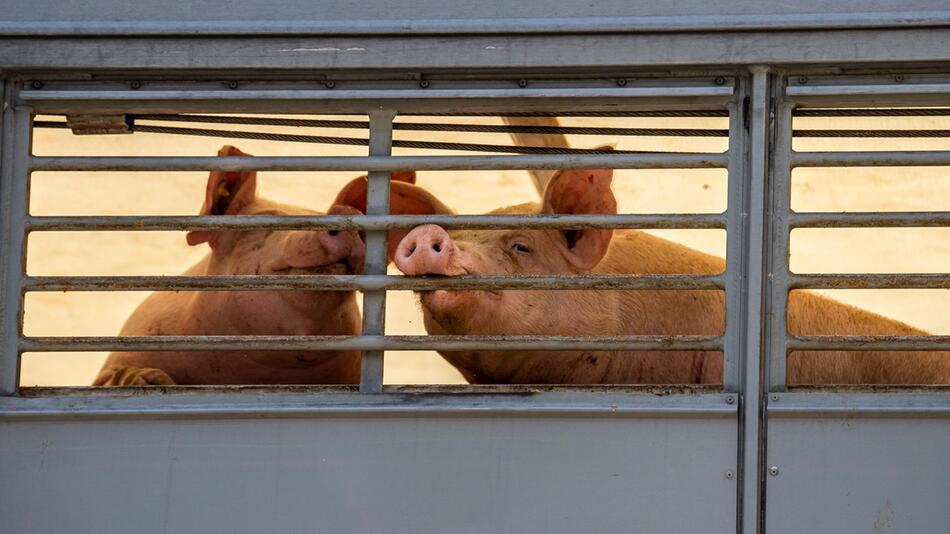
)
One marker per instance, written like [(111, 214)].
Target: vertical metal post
[(751, 209), (377, 203), (777, 334), (14, 195), (736, 234)]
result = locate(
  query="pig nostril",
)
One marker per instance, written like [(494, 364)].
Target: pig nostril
[(437, 247), (411, 250), (333, 233)]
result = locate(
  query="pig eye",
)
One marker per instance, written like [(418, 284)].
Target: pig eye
[(518, 247)]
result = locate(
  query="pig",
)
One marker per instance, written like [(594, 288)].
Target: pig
[(260, 312), (430, 250)]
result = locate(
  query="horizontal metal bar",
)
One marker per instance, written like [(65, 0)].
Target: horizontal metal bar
[(505, 26), (874, 134), (382, 163), (870, 281), (378, 94), (870, 159), (880, 401), (394, 401), (869, 90), (371, 222), (368, 282), (880, 219), (869, 343), (364, 343)]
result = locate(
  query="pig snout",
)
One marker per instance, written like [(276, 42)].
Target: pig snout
[(426, 249), (323, 247)]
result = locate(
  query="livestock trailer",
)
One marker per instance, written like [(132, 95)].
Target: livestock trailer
[(750, 456)]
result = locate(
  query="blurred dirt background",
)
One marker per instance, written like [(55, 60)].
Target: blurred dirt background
[(156, 253)]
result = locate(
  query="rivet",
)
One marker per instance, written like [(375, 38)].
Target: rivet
[(730, 399), (622, 82), (720, 80), (729, 475), (522, 83), (803, 79), (424, 84), (135, 85), (773, 470), (899, 78), (36, 84), (330, 84), (774, 398), (232, 84)]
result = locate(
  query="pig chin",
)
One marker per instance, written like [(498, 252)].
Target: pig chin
[(454, 310)]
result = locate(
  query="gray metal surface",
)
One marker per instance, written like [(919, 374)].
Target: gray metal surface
[(411, 473), (849, 473)]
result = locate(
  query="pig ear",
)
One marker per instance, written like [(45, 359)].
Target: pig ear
[(227, 193), (580, 192), (404, 199)]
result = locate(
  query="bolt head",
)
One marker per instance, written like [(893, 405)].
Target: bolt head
[(720, 80), (730, 399), (330, 84), (730, 475), (803, 79), (773, 470), (899, 78), (522, 83), (424, 84), (36, 84), (774, 398), (622, 82)]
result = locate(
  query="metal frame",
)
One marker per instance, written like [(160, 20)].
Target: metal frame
[(757, 281)]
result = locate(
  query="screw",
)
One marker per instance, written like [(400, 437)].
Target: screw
[(424, 84), (774, 398), (135, 85), (720, 80), (622, 82), (899, 78), (330, 84), (522, 83), (803, 79), (730, 399), (773, 470), (232, 84), (729, 475), (36, 84)]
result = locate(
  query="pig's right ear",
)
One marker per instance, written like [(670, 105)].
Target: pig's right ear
[(582, 192), (227, 193), (404, 199)]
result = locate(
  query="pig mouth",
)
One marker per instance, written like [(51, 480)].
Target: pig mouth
[(341, 267)]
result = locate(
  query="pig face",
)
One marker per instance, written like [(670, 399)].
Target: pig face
[(281, 252), (431, 250)]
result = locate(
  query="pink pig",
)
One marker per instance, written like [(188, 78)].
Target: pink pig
[(429, 250), (259, 312)]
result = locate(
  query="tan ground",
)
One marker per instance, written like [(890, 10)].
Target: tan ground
[(887, 250)]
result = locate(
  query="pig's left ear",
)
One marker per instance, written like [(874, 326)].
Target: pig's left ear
[(227, 193), (404, 199), (580, 192)]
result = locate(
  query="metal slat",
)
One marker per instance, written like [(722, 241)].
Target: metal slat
[(881, 219), (392, 95), (368, 282), (869, 343), (367, 343), (14, 199), (381, 163), (371, 223), (870, 159), (870, 281), (779, 212), (377, 203)]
